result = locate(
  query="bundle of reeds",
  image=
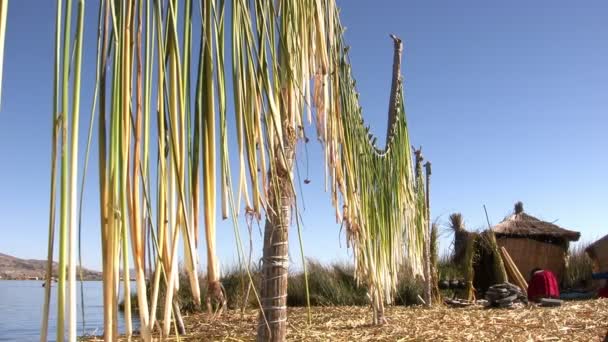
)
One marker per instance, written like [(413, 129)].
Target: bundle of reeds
[(461, 236), (434, 260), (157, 136), (65, 136)]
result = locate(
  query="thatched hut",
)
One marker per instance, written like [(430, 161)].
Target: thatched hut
[(598, 252), (534, 243)]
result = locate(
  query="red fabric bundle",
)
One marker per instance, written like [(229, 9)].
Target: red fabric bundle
[(543, 285)]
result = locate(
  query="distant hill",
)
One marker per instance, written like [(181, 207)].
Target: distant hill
[(15, 268)]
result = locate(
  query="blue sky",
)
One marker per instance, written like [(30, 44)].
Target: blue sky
[(508, 99)]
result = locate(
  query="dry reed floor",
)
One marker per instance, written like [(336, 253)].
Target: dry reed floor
[(575, 321)]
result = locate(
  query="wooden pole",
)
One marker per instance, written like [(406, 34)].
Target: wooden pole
[(425, 249), (487, 218), (513, 271), (392, 108), (427, 243)]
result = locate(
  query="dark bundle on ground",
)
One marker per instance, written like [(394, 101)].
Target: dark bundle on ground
[(505, 295)]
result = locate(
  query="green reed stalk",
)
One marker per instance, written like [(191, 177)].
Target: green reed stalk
[(56, 122), (64, 241), (74, 168)]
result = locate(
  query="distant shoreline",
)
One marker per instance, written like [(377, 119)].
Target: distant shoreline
[(13, 268), (42, 280)]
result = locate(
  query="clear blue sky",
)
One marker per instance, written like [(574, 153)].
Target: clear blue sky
[(508, 99)]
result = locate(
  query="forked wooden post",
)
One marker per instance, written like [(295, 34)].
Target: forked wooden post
[(396, 78)]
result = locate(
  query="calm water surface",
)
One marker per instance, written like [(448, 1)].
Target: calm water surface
[(21, 310)]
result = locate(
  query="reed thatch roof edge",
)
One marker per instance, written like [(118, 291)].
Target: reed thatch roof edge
[(590, 249), (523, 225)]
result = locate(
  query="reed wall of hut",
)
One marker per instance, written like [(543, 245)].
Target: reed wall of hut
[(528, 254)]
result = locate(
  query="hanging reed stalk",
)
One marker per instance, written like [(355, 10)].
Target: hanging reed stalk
[(65, 121), (271, 70), (107, 235), (190, 237), (56, 124), (3, 17), (209, 158), (172, 132), (74, 166), (137, 222), (64, 184)]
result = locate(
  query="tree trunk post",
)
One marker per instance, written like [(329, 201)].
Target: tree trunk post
[(272, 322), (396, 78), (375, 296)]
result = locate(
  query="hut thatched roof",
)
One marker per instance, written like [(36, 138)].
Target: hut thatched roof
[(523, 225), (598, 251), (597, 244)]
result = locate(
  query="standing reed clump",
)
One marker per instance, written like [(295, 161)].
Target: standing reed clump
[(329, 285), (66, 116), (579, 268), (468, 262), (499, 273), (461, 235)]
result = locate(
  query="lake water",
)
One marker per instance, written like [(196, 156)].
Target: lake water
[(21, 310)]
